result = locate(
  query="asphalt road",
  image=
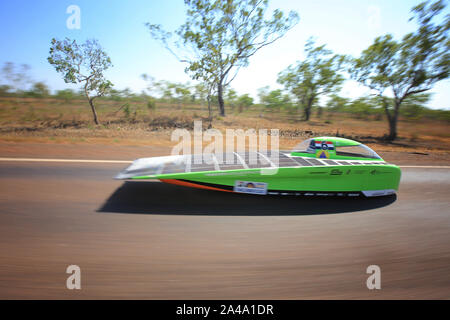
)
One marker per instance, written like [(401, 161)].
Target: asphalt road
[(155, 241)]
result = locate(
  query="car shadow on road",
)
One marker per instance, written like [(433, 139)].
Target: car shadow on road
[(161, 198)]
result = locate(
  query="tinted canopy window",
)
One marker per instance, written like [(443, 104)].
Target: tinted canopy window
[(360, 151)]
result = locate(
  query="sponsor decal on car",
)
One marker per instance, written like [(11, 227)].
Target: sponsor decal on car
[(323, 154), (324, 145), (376, 172), (250, 187), (336, 172)]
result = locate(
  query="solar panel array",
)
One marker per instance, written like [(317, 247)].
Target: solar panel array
[(249, 160), (227, 161)]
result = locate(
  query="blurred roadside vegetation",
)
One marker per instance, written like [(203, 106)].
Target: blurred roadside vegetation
[(34, 112), (18, 89)]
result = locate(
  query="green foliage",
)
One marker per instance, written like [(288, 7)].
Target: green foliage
[(127, 110), (443, 115), (231, 98), (413, 107), (66, 94), (363, 108), (151, 104), (337, 103), (372, 107), (5, 90), (82, 64), (241, 102), (319, 74), (38, 90), (200, 93), (407, 67), (182, 93), (130, 112), (219, 37), (15, 78), (244, 101), (368, 107), (173, 92), (275, 100), (114, 95)]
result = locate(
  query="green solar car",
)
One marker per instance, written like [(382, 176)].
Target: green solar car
[(321, 166)]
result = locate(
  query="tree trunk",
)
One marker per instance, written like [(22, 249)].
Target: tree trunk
[(392, 129), (307, 113), (220, 98), (94, 112), (91, 102), (209, 112), (392, 120), (308, 107), (393, 123)]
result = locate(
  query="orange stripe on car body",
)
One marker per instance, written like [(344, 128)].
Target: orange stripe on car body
[(192, 185)]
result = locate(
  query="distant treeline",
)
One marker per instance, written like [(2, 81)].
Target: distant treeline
[(272, 101)]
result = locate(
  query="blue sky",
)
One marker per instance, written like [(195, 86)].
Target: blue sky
[(346, 26)]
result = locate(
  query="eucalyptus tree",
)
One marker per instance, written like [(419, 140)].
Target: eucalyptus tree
[(319, 74), (219, 37), (231, 98), (274, 100), (244, 102), (82, 64), (200, 93), (16, 77), (395, 70)]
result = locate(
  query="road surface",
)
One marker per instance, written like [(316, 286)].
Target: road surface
[(148, 240)]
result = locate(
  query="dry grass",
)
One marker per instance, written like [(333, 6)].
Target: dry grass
[(57, 121)]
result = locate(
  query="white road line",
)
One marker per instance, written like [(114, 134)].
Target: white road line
[(63, 160), (126, 161), (430, 167)]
